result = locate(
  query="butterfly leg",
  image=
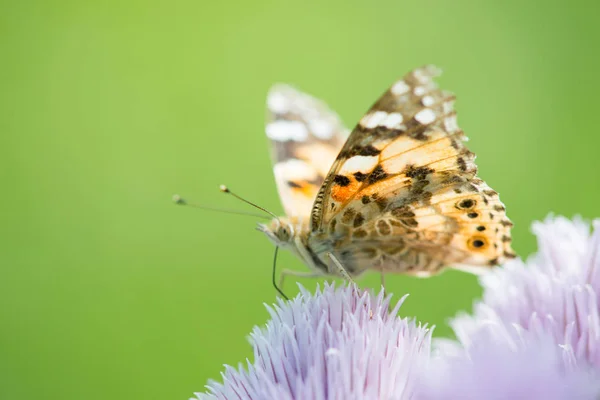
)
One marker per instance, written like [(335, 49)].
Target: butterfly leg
[(275, 273), (340, 268), (286, 272)]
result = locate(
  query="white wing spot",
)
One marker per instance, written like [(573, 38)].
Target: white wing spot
[(427, 101), (362, 164), (450, 124), (277, 102), (283, 131), (419, 90), (393, 120), (423, 75), (372, 120), (400, 88), (448, 107), (425, 116), (321, 129), (294, 169), (381, 118)]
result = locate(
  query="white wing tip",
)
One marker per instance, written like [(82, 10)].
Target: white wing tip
[(280, 97), (431, 70)]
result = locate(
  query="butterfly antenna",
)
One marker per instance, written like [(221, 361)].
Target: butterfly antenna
[(177, 199), (225, 189)]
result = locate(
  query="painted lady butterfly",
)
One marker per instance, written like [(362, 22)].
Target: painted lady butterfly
[(400, 195)]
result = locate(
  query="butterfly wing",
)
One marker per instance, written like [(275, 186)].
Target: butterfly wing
[(403, 196), (306, 136)]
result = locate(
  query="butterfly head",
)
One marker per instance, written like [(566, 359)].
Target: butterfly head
[(280, 231)]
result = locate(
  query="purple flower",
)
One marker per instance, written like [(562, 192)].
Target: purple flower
[(337, 344), (556, 293), (498, 370)]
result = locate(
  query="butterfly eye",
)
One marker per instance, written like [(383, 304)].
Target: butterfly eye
[(284, 233)]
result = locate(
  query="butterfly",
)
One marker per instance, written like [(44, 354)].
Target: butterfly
[(400, 194)]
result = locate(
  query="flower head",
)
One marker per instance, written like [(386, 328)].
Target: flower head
[(495, 369), (336, 344)]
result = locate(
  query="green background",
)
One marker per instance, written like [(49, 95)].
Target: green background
[(107, 108)]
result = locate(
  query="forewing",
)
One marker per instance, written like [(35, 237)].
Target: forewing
[(403, 196), (306, 136)]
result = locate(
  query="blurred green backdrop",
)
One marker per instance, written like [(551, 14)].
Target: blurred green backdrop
[(107, 108)]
